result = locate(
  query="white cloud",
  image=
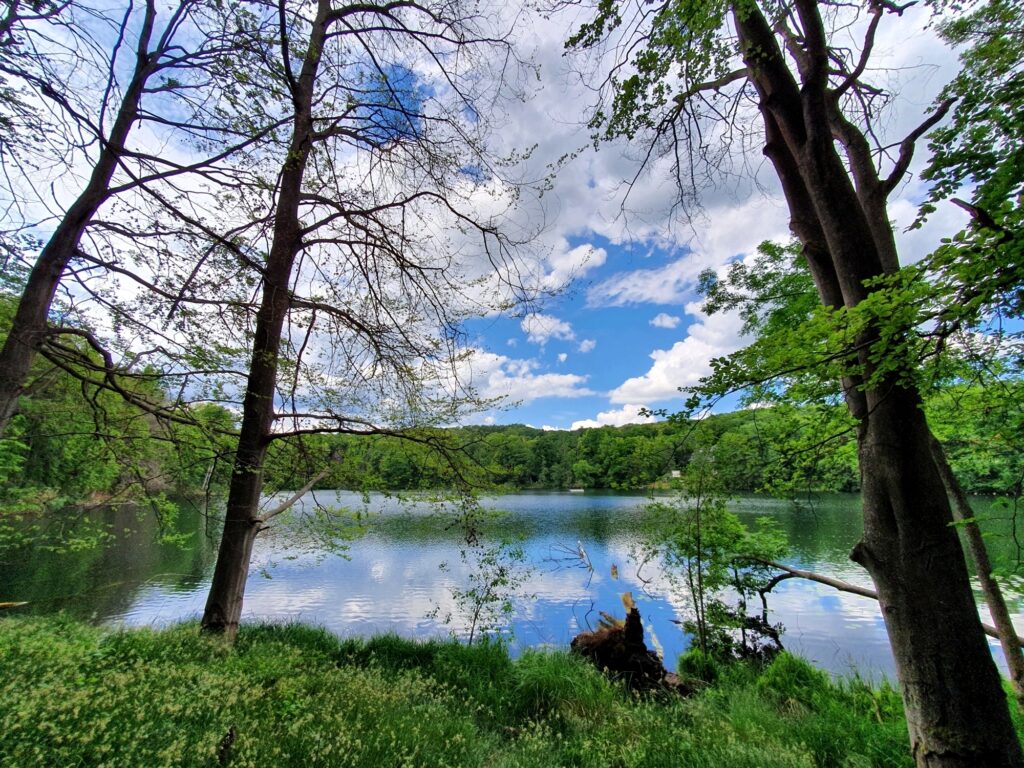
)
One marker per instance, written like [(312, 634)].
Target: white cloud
[(567, 264), (495, 375), (667, 284), (686, 361), (627, 414), (665, 320), (562, 357), (511, 342), (918, 243), (730, 228), (541, 328), (587, 345)]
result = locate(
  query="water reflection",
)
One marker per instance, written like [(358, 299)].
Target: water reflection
[(111, 581), (389, 580)]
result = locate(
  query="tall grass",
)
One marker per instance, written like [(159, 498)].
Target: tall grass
[(72, 695)]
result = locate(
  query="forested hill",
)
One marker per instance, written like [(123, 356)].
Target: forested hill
[(781, 449), (78, 442), (747, 448)]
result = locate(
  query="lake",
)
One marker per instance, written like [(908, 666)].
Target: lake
[(391, 578)]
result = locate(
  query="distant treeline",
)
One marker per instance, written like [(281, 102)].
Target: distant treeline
[(79, 441), (752, 450), (781, 449)]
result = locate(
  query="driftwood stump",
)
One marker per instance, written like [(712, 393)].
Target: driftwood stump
[(618, 649)]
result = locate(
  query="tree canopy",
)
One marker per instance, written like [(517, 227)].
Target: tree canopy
[(689, 79)]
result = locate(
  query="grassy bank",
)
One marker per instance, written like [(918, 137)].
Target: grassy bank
[(71, 694)]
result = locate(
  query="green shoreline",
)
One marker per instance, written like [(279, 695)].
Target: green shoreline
[(293, 695)]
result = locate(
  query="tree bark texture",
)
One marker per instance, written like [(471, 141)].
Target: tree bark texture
[(29, 328), (956, 709), (242, 521)]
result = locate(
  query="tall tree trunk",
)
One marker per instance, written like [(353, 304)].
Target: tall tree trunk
[(242, 521), (956, 710), (964, 515), (224, 602), (29, 327)]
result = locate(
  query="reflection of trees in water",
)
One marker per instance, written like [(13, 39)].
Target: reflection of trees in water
[(107, 580), (822, 532), (104, 580)]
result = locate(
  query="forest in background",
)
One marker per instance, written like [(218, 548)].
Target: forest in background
[(74, 443), (300, 266)]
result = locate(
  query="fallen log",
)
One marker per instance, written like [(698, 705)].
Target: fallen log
[(789, 572)]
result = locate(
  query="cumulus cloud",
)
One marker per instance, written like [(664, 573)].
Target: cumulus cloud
[(627, 414), (495, 375), (541, 328), (562, 357), (686, 361), (587, 345), (665, 320)]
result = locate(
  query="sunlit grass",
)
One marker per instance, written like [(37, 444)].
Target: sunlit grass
[(297, 696)]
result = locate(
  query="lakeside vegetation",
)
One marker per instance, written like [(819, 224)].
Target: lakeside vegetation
[(72, 444), (258, 249), (783, 450), (72, 694)]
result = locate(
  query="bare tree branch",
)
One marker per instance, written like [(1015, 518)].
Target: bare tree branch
[(910, 142), (789, 572)]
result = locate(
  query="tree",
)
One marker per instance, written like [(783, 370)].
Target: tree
[(367, 214), (708, 548), (784, 365), (159, 69), (683, 70), (960, 296), (983, 142), (74, 446)]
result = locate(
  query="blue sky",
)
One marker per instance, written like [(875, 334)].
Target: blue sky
[(594, 332), (628, 330)]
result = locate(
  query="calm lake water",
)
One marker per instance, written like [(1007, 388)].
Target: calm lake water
[(391, 579)]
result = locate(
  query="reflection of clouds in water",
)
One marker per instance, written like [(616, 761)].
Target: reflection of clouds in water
[(829, 603), (393, 584), (388, 589), (155, 605), (832, 628), (277, 595)]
